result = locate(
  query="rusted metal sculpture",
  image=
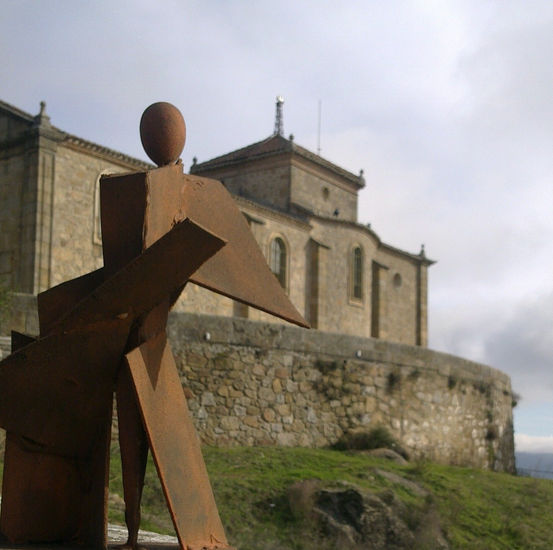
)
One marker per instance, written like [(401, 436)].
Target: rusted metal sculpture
[(105, 332)]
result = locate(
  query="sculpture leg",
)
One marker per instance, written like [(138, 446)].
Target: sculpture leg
[(132, 437), (175, 446), (134, 452)]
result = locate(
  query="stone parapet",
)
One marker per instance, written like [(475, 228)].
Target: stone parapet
[(252, 383)]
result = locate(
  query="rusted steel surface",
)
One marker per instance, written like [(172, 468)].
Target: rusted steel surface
[(175, 446), (134, 452), (56, 390), (52, 498), (55, 463), (59, 300), (163, 133), (20, 340), (147, 280), (133, 442), (238, 271), (105, 332)]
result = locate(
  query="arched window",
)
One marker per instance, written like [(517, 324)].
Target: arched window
[(277, 260), (357, 273)]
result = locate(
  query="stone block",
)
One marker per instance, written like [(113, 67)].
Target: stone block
[(267, 395), (229, 423), (287, 439), (251, 421), (269, 415), (207, 399), (281, 372)]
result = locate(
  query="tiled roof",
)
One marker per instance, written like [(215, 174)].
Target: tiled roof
[(273, 146)]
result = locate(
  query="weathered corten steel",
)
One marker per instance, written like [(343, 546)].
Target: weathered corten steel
[(104, 332), (163, 133)]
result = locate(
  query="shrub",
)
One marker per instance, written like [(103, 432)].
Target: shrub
[(394, 379), (376, 438), (326, 366), (491, 433)]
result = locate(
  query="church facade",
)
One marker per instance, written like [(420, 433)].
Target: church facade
[(301, 208)]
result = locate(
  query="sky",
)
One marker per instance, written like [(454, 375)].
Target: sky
[(446, 105)]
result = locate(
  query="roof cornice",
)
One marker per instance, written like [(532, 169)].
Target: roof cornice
[(77, 143), (274, 146), (418, 258)]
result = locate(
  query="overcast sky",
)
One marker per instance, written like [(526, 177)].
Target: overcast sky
[(446, 105)]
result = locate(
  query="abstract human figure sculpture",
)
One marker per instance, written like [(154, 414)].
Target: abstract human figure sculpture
[(105, 332)]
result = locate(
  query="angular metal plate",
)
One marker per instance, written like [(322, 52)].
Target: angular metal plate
[(240, 270), (146, 281), (56, 391), (57, 301)]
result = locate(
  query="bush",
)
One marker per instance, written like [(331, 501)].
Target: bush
[(376, 438), (394, 379)]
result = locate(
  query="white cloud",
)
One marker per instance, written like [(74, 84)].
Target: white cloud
[(533, 443), (446, 105)]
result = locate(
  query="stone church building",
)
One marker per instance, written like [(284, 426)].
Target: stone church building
[(252, 383), (301, 208)]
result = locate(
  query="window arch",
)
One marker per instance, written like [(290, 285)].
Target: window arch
[(356, 273), (278, 258)]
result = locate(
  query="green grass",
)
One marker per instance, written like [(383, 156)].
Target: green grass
[(476, 509), (486, 510)]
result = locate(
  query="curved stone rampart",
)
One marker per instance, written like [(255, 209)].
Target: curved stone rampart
[(252, 383)]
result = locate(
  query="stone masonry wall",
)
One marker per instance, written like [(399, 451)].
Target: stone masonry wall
[(265, 180), (252, 383), (320, 194)]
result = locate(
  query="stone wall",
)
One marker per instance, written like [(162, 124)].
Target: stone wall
[(400, 316), (23, 314), (252, 383), (50, 231), (263, 180), (321, 193)]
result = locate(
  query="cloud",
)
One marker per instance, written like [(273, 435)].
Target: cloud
[(446, 105), (534, 444), (521, 346)]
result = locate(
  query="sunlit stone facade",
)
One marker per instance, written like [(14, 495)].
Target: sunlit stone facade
[(49, 229)]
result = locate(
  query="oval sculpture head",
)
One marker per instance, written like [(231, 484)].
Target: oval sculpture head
[(163, 133)]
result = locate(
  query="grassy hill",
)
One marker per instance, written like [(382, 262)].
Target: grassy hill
[(443, 506)]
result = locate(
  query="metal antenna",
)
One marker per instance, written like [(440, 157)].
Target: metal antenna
[(279, 123), (319, 131)]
